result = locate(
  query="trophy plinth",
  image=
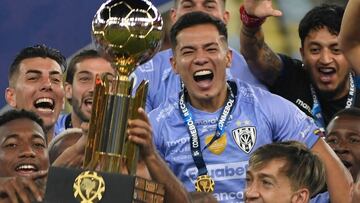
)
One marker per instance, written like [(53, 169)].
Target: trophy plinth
[(91, 187), (127, 33)]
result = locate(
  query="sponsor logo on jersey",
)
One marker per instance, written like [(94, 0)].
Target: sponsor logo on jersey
[(304, 105), (165, 112), (221, 172), (233, 196), (245, 137)]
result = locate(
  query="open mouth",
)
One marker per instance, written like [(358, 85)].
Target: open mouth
[(45, 104), (88, 101), (26, 168), (326, 74), (327, 70), (203, 75)]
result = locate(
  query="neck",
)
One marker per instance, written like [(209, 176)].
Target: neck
[(75, 120), (209, 104)]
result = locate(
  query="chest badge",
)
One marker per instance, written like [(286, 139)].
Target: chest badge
[(218, 146), (245, 138)]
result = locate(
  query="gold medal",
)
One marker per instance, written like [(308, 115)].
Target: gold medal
[(204, 183), (218, 146)]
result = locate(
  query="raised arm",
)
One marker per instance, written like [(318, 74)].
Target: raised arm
[(262, 61), (140, 132), (338, 179), (349, 36)]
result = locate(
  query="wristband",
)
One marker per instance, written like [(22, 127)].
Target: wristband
[(249, 20)]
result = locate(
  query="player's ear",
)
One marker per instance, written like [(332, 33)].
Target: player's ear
[(173, 64), (10, 96)]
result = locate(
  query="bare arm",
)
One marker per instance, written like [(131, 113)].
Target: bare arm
[(349, 36), (338, 178), (140, 132), (262, 61)]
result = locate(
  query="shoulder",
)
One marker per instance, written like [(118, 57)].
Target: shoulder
[(263, 100), (165, 111), (321, 198), (60, 123), (287, 60)]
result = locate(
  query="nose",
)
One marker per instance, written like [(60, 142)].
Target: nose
[(326, 57), (46, 84), (200, 58), (341, 147), (27, 151), (251, 192)]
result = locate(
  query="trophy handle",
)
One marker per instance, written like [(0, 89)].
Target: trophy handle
[(131, 149), (94, 125)]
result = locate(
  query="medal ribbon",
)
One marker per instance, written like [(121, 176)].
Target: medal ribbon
[(195, 147), (316, 109)]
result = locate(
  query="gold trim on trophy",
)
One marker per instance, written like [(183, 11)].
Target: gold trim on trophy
[(204, 183), (89, 187)]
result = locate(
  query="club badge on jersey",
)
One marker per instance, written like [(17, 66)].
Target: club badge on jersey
[(245, 138)]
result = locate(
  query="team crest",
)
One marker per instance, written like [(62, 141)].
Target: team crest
[(245, 138)]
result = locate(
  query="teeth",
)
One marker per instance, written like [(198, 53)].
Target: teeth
[(47, 100), (202, 72), (327, 70), (26, 167)]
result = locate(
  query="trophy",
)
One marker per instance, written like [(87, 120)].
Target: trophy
[(127, 33)]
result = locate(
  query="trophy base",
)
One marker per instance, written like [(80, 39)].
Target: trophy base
[(76, 185)]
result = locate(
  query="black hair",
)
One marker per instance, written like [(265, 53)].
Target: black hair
[(15, 114), (40, 50), (353, 111), (85, 54), (323, 16), (196, 18)]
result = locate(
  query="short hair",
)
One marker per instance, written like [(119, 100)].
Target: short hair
[(303, 168), (15, 114), (40, 50), (196, 18), (323, 16), (352, 111), (85, 54)]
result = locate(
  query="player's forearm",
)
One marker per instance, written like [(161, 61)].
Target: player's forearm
[(338, 179), (349, 36), (159, 171), (262, 61)]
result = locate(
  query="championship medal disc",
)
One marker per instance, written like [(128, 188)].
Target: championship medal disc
[(204, 183), (218, 146)]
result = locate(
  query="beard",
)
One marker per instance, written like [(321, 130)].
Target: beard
[(76, 106), (330, 94), (333, 94)]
